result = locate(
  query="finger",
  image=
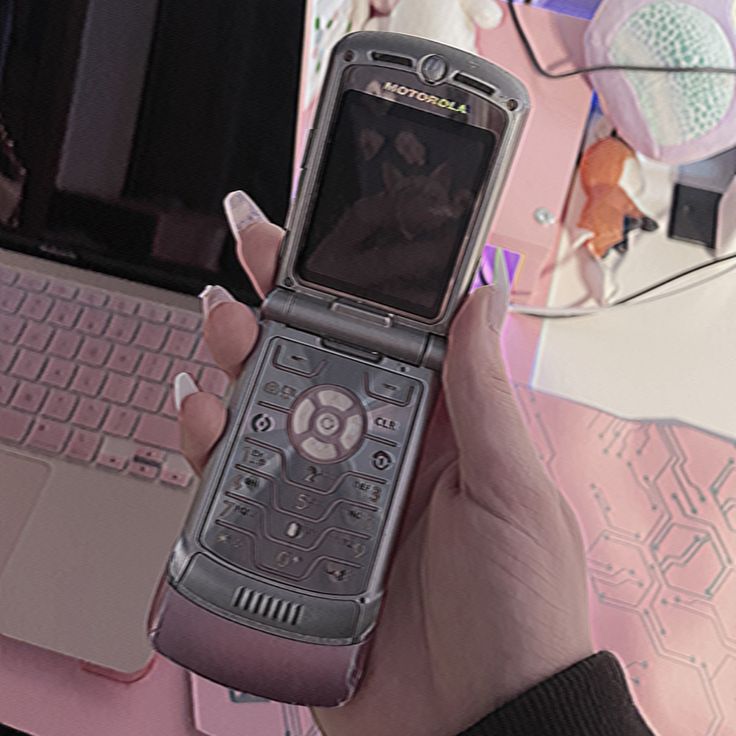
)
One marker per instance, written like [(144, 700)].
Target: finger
[(495, 451), (257, 240), (230, 329), (201, 420)]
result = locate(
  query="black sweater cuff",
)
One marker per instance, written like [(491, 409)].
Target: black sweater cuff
[(591, 698)]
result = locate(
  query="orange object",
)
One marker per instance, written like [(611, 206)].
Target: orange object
[(609, 210)]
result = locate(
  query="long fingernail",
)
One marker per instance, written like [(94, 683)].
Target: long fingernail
[(183, 386), (501, 290), (211, 296), (242, 212)]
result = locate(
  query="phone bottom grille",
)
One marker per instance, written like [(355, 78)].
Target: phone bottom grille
[(267, 606)]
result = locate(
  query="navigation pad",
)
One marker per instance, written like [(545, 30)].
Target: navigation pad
[(307, 486)]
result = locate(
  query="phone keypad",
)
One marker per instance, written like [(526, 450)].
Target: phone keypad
[(308, 483)]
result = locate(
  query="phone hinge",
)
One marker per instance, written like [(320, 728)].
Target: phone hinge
[(355, 327)]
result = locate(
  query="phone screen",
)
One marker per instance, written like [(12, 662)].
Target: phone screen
[(398, 188)]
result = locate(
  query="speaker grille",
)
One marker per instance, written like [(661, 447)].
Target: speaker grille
[(267, 606), (474, 83), (392, 59)]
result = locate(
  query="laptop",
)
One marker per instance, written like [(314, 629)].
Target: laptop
[(98, 307)]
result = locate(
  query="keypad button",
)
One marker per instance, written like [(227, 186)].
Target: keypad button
[(301, 416), (306, 504), (249, 486), (241, 514), (299, 359), (388, 421), (337, 399), (230, 544), (364, 490), (382, 460), (391, 387), (258, 458), (318, 450), (352, 432), (283, 392), (288, 561), (336, 577), (313, 476), (358, 518), (318, 424)]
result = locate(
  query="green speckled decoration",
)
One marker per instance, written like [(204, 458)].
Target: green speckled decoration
[(677, 107)]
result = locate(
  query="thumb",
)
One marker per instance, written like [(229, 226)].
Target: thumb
[(497, 457)]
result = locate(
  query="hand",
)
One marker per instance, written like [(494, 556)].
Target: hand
[(487, 593)]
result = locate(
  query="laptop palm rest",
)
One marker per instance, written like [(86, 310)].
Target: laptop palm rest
[(21, 484)]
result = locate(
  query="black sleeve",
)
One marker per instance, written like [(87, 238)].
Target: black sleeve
[(591, 698)]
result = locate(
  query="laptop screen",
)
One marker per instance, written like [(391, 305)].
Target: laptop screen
[(150, 114)]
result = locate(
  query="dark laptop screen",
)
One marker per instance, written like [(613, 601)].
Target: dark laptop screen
[(150, 114)]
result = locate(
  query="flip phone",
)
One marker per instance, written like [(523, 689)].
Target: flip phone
[(276, 582)]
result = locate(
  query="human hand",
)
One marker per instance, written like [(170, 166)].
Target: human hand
[(487, 592)]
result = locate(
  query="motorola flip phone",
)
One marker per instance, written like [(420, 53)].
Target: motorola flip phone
[(276, 582)]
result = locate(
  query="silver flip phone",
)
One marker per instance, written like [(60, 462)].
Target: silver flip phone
[(291, 533)]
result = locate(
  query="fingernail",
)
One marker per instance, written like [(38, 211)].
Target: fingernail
[(211, 296), (501, 290), (242, 212), (183, 386)]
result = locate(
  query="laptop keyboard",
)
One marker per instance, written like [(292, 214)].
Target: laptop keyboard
[(87, 374)]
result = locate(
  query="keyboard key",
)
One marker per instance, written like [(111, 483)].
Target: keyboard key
[(148, 396), (92, 297), (121, 329), (154, 366), (89, 413), (83, 445), (151, 336), (58, 372), (93, 321), (158, 431), (94, 351), (59, 405), (10, 298), (49, 436), (120, 421), (7, 275), (7, 386), (7, 353), (13, 425), (123, 304), (123, 358), (180, 343), (185, 320), (176, 471), (64, 314), (10, 327), (32, 281), (28, 365), (150, 455), (142, 470), (183, 366), (36, 336), (118, 388), (153, 312), (115, 453), (62, 289), (36, 306), (88, 380), (64, 344), (202, 353), (29, 397)]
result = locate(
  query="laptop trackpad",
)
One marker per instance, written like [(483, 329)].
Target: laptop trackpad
[(21, 483)]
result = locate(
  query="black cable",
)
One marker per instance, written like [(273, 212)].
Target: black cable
[(604, 67), (669, 280)]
